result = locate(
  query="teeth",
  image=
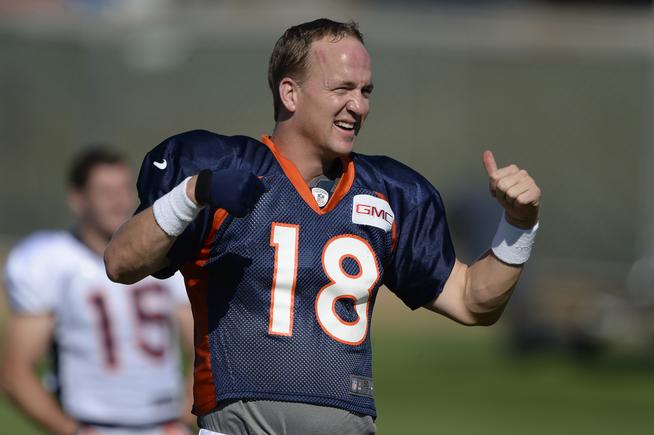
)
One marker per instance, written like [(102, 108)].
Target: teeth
[(346, 125)]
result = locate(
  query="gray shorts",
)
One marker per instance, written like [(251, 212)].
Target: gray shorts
[(266, 417)]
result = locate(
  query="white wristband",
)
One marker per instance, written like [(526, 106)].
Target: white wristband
[(511, 244), (175, 210)]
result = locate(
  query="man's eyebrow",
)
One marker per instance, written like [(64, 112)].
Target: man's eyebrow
[(347, 84), (352, 85)]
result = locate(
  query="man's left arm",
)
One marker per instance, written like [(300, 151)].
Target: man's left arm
[(477, 294), (184, 319)]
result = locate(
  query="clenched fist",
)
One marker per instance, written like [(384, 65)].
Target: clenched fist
[(234, 190), (515, 190)]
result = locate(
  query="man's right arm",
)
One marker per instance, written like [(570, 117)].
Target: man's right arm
[(139, 247), (27, 337)]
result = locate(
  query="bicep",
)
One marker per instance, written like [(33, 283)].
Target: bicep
[(451, 301), (27, 339)]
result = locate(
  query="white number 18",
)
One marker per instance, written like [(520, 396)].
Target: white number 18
[(285, 239)]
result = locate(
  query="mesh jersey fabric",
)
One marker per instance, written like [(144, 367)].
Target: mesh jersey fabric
[(229, 265)]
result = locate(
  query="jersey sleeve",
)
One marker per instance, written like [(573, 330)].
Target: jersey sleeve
[(167, 165), (31, 286), (424, 255)]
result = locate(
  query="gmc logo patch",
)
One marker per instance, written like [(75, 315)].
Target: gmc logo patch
[(372, 211)]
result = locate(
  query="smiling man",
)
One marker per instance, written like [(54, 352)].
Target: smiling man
[(284, 243)]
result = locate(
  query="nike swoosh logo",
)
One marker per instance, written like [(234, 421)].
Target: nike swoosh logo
[(160, 165)]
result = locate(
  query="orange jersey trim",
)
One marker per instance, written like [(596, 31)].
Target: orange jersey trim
[(294, 176), (197, 288), (393, 227)]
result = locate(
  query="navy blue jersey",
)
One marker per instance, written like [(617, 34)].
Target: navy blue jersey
[(282, 298)]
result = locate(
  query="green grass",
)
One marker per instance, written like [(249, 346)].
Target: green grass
[(463, 383), (467, 385), (13, 422)]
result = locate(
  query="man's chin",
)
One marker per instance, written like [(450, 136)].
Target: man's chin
[(342, 148)]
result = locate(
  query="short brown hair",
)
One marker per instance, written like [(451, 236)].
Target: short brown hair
[(290, 55), (91, 156)]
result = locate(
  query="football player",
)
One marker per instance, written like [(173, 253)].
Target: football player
[(285, 241), (117, 359)]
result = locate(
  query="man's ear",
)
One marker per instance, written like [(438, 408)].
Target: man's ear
[(288, 93), (76, 202)]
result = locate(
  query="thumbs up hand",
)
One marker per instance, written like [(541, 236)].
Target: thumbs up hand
[(515, 190)]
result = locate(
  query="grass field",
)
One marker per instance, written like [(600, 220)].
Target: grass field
[(433, 377), (461, 385)]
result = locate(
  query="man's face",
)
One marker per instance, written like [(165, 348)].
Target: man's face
[(333, 96), (107, 200)]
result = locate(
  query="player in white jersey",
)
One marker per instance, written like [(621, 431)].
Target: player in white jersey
[(117, 356)]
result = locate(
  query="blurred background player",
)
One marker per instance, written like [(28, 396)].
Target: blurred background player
[(115, 351)]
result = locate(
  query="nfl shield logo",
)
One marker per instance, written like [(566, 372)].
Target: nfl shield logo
[(321, 196)]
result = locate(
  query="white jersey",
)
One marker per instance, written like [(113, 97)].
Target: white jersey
[(118, 358)]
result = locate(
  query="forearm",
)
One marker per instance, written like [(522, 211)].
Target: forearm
[(477, 294), (186, 416), (26, 391), (186, 329), (140, 246), (489, 284), (138, 249)]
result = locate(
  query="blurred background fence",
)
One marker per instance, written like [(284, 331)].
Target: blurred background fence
[(563, 89)]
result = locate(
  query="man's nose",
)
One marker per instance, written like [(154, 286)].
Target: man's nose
[(358, 104)]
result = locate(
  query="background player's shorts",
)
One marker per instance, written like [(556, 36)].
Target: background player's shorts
[(263, 417), (172, 428)]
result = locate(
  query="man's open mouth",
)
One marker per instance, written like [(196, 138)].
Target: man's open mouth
[(347, 126)]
